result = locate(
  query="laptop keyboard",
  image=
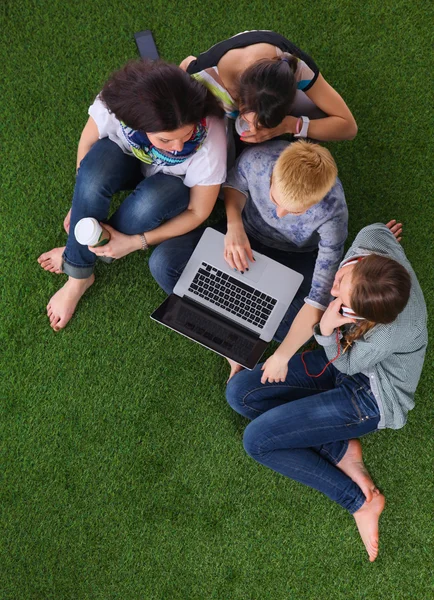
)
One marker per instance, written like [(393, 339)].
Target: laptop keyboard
[(234, 296)]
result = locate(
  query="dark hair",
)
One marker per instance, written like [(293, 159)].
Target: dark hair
[(157, 96), (380, 291), (267, 88)]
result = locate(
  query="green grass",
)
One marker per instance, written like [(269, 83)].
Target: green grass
[(124, 475)]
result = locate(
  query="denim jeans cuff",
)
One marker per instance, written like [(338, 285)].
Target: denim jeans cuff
[(77, 272), (358, 503), (340, 456)]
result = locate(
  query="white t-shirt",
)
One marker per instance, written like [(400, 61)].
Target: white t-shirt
[(207, 166)]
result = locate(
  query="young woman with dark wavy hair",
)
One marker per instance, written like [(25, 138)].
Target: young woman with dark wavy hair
[(157, 131), (276, 87), (373, 338)]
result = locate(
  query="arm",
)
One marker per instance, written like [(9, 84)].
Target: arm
[(184, 64), (338, 125), (363, 354), (275, 368), (331, 245), (88, 137), (202, 200), (237, 245)]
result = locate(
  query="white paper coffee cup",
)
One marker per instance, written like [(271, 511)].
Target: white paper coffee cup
[(88, 232)]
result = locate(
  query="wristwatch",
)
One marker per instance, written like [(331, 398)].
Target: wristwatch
[(305, 126)]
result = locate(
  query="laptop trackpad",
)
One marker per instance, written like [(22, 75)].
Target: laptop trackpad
[(256, 268)]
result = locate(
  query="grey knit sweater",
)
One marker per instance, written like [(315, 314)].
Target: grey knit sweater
[(391, 355)]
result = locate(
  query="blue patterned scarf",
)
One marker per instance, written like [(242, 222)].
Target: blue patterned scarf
[(151, 155)]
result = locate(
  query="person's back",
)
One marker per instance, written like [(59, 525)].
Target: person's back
[(395, 372)]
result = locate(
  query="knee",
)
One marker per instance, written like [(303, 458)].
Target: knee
[(234, 394), (161, 270), (251, 440), (90, 186)]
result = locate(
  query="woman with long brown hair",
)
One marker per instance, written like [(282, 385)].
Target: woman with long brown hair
[(373, 338), (156, 131)]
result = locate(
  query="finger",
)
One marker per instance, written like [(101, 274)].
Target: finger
[(264, 379), (238, 261), (243, 257), (101, 250), (249, 253), (229, 258), (346, 320), (399, 239), (108, 227), (391, 223), (335, 305)]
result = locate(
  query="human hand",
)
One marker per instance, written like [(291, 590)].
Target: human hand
[(119, 245), (395, 228), (332, 318), (237, 248), (184, 64), (235, 368), (67, 221), (274, 369), (261, 134)]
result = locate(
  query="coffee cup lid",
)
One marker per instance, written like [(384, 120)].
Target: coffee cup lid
[(87, 231)]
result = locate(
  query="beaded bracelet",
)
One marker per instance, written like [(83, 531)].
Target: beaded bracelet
[(145, 244)]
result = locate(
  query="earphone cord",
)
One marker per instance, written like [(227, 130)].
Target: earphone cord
[(330, 361)]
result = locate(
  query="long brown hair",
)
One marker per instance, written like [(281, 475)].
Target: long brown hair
[(380, 291), (158, 96)]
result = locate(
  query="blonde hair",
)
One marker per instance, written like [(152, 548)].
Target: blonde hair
[(303, 174)]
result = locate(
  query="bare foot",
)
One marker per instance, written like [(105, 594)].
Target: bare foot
[(367, 523), (352, 465), (62, 305), (235, 368), (52, 260)]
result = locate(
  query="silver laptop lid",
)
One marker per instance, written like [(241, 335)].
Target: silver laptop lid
[(266, 290)]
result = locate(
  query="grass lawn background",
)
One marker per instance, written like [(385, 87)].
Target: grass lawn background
[(123, 471)]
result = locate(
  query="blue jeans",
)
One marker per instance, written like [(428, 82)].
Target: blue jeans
[(104, 171), (169, 259), (301, 427)]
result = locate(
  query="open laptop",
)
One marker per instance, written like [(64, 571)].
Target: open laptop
[(232, 314)]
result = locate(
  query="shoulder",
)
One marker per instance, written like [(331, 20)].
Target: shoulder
[(334, 201), (263, 154), (216, 135), (378, 238)]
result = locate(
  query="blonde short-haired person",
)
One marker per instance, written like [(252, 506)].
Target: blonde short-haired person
[(285, 201)]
